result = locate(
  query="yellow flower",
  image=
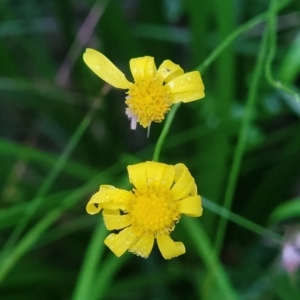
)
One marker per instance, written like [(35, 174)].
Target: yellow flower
[(150, 210), (153, 92)]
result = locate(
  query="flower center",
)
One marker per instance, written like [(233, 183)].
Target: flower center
[(153, 211), (148, 100)]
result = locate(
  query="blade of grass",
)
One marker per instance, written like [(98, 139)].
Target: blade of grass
[(205, 251), (86, 277), (83, 36), (290, 65), (67, 229), (288, 210), (44, 90), (272, 34), (241, 144), (207, 62), (231, 37), (8, 261), (218, 143), (36, 202), (199, 14), (108, 270), (10, 216), (30, 154), (241, 221)]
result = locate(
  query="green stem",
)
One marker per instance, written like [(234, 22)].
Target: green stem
[(202, 67), (205, 250), (272, 36), (84, 286), (241, 144), (243, 222), (230, 39), (165, 130)]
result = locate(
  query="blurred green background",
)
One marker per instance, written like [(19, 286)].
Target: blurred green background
[(61, 137)]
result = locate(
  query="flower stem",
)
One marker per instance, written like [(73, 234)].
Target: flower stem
[(272, 32), (242, 140), (165, 130), (230, 39), (204, 65), (241, 221)]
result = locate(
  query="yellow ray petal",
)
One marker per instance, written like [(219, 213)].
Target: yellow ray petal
[(108, 197), (144, 246), (105, 69), (186, 97), (93, 206), (168, 247), (187, 87), (190, 206), (142, 68), (184, 182), (194, 190), (113, 219), (110, 193), (155, 172), (168, 71), (98, 199), (119, 243), (138, 175), (160, 174), (168, 177)]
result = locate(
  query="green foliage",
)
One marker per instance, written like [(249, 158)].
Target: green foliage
[(62, 134)]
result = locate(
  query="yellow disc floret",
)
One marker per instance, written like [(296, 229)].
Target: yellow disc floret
[(153, 211), (148, 100)]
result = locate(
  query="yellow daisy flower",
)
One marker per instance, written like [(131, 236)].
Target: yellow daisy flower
[(153, 92), (149, 211)]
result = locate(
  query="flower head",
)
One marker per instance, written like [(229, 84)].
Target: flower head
[(161, 193), (154, 90)]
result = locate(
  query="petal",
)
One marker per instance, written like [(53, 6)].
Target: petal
[(108, 197), (190, 206), (105, 69), (184, 182), (194, 190), (144, 246), (168, 247), (160, 174), (142, 68), (93, 206), (155, 171), (168, 71), (186, 97), (168, 177), (113, 220), (187, 87), (138, 175), (119, 243), (117, 196)]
